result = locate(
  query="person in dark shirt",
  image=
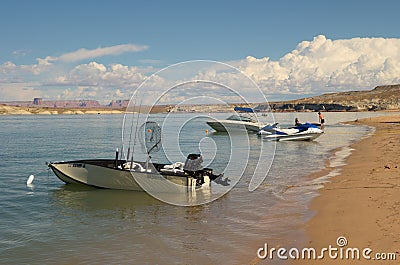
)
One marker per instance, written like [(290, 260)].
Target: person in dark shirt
[(321, 119)]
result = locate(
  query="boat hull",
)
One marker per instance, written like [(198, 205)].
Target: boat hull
[(234, 126), (102, 174), (297, 137), (302, 132)]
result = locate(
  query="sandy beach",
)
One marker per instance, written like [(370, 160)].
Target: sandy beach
[(362, 204)]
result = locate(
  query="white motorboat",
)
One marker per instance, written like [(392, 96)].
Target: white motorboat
[(139, 176), (301, 132), (245, 121), (123, 175)]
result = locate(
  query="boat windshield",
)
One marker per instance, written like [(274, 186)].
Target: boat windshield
[(236, 117)]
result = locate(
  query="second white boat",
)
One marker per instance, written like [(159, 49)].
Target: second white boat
[(245, 120)]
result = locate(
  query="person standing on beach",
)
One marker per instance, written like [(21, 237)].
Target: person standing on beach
[(321, 119)]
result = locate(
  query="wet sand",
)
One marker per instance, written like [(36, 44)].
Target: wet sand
[(362, 204)]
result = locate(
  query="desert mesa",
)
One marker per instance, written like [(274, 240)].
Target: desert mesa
[(381, 98)]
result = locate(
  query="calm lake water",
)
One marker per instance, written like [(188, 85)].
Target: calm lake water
[(54, 223)]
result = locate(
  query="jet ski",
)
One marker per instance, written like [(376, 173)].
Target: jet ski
[(301, 132)]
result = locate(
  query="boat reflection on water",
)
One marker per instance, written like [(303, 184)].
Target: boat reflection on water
[(88, 199)]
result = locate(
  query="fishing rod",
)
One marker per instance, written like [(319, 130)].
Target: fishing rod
[(130, 133), (136, 129)]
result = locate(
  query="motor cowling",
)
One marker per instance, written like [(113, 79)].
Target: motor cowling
[(193, 167), (193, 163)]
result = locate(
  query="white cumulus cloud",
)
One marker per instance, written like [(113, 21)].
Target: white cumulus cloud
[(316, 66), (109, 80), (324, 65), (96, 74)]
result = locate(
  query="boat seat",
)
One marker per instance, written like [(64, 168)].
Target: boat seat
[(176, 167), (135, 167)]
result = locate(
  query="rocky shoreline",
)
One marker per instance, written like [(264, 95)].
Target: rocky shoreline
[(13, 110), (378, 99), (381, 98)]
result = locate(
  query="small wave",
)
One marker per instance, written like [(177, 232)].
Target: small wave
[(339, 157)]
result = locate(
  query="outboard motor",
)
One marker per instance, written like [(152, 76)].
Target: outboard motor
[(193, 162), (194, 168)]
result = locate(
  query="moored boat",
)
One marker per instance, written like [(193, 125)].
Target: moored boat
[(301, 132), (137, 176), (244, 120)]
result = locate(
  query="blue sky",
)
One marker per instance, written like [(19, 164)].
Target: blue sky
[(174, 31)]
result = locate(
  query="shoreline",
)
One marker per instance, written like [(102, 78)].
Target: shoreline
[(20, 110), (13, 110), (362, 202)]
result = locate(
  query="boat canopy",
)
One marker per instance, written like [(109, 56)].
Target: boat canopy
[(306, 126), (236, 117), (244, 109)]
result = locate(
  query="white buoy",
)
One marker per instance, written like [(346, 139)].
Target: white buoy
[(30, 180)]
